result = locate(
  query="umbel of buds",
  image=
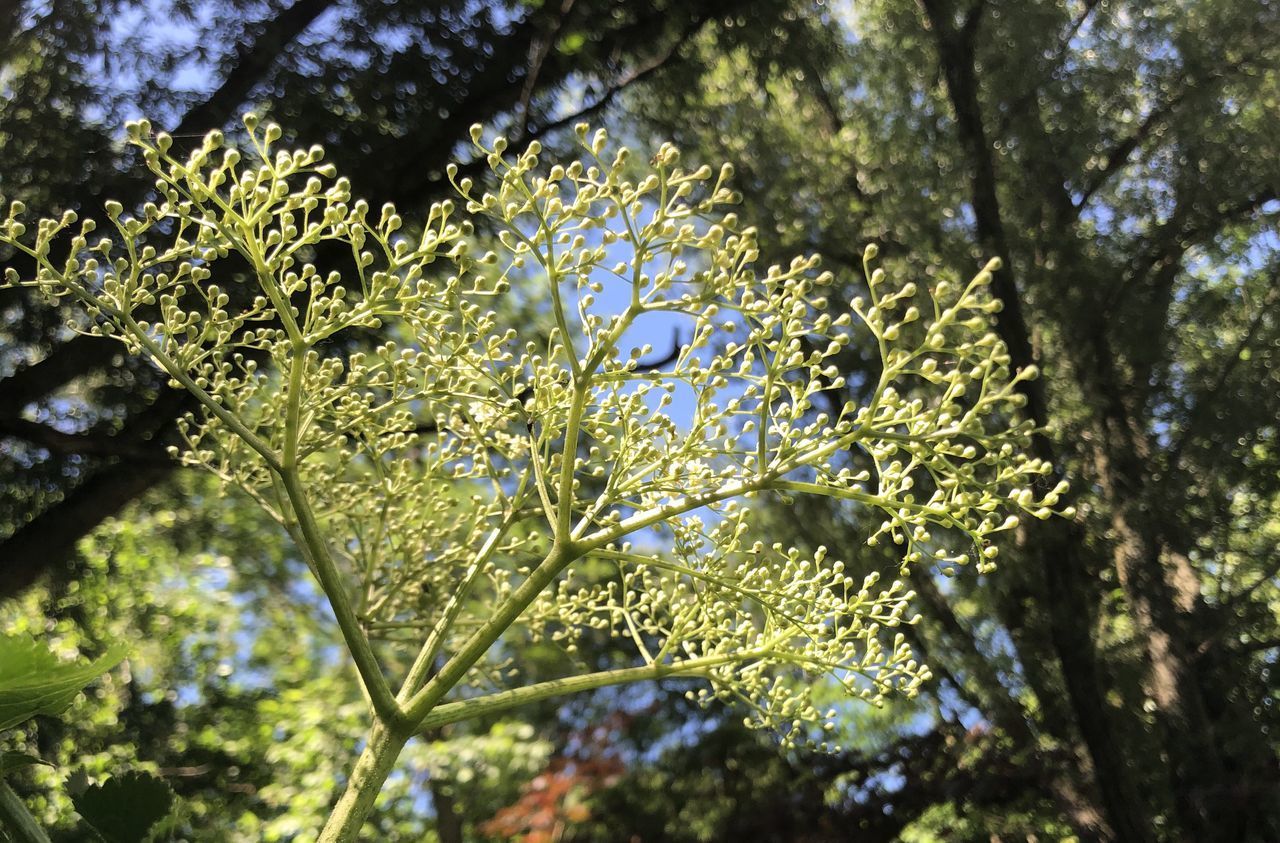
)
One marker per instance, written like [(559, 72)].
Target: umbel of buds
[(451, 479)]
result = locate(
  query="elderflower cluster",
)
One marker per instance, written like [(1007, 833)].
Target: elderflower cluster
[(355, 376)]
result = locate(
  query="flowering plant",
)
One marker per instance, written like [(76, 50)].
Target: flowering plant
[(455, 480)]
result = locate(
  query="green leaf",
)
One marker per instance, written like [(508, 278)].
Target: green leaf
[(35, 681), (124, 808), (10, 761)]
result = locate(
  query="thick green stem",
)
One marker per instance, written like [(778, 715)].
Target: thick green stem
[(367, 778), (443, 715), (317, 547), (336, 591), (482, 639), (16, 819), (564, 514)]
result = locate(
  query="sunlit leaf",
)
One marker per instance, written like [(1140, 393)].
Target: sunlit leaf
[(35, 681)]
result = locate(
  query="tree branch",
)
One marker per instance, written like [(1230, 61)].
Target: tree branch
[(611, 93), (956, 56), (1119, 154), (260, 47), (87, 444), (537, 55), (1028, 96), (51, 537)]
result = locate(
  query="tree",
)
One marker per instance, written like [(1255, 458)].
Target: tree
[(1122, 161), (365, 458)]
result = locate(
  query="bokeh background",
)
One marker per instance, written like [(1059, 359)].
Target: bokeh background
[(1115, 679)]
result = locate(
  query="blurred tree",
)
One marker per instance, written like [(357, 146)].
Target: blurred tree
[(1122, 159)]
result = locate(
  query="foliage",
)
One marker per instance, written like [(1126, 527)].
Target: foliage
[(34, 682), (232, 693)]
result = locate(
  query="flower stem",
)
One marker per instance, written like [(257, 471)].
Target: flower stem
[(367, 778)]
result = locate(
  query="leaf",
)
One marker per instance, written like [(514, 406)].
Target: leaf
[(35, 681), (10, 761), (124, 808)]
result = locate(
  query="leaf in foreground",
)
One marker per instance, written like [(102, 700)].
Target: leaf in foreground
[(10, 761), (35, 681), (124, 808)]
